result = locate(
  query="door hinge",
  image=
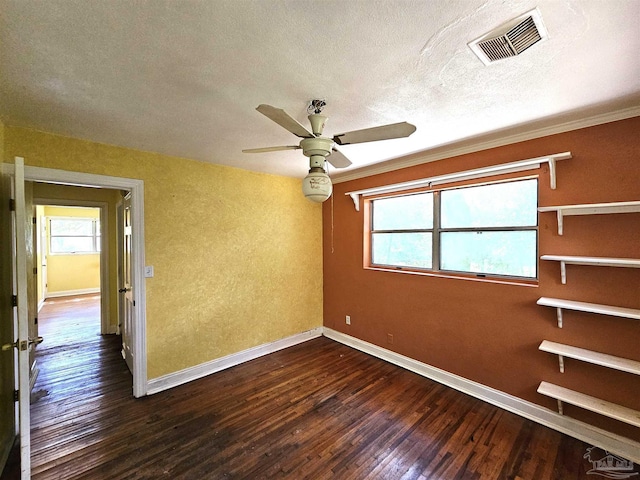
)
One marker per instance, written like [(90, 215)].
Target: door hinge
[(14, 300), (16, 395), (35, 220), (35, 270), (12, 205), (35, 320)]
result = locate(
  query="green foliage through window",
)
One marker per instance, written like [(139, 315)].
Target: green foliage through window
[(485, 229)]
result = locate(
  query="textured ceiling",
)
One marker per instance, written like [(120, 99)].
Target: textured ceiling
[(184, 77)]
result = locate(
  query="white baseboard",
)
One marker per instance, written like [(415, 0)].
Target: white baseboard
[(613, 443), (69, 293), (171, 380)]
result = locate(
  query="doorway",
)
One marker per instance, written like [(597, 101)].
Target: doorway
[(74, 248), (138, 292)]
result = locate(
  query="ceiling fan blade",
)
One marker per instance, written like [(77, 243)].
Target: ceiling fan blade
[(271, 149), (285, 120), (337, 159), (384, 132)]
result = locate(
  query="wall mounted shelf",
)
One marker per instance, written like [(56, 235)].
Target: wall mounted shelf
[(518, 166), (589, 356), (559, 304), (596, 261), (591, 209), (603, 407)]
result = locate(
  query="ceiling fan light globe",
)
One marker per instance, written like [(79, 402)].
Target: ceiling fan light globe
[(317, 186)]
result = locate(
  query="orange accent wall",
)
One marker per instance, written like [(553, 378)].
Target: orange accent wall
[(490, 332)]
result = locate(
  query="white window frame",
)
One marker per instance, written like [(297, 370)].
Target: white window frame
[(96, 238), (436, 230)]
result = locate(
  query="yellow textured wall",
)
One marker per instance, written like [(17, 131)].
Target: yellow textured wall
[(1, 142), (67, 272), (237, 254)]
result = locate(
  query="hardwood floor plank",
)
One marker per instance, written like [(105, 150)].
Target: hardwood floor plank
[(318, 410)]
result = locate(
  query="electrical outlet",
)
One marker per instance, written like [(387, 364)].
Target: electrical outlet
[(347, 319), (390, 338)]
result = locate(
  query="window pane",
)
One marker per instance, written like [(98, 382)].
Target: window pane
[(71, 244), (402, 249), (501, 253), (403, 213), (500, 205), (73, 227)]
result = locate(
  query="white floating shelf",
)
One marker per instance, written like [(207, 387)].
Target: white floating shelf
[(589, 356), (518, 166), (591, 209), (559, 304), (597, 261), (603, 407)]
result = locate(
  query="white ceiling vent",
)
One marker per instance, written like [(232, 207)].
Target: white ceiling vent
[(510, 39)]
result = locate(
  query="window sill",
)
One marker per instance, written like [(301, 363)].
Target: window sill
[(67, 254), (457, 276)]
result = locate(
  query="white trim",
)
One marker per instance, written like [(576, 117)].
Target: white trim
[(136, 187), (477, 144), (617, 444), (501, 168), (69, 293), (174, 379)]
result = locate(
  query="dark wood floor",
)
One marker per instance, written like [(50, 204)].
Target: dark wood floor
[(318, 410)]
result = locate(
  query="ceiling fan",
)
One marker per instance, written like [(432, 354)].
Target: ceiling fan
[(317, 185)]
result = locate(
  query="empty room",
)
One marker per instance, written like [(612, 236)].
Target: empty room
[(372, 239)]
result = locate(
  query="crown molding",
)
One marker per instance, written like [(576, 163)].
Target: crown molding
[(477, 144)]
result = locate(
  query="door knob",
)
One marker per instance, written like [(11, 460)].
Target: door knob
[(36, 341), (124, 290), (9, 346), (21, 345)]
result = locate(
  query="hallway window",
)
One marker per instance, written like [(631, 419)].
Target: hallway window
[(74, 235)]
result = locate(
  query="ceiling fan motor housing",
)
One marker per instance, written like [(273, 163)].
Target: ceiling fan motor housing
[(317, 123), (317, 146)]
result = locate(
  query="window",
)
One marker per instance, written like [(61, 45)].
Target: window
[(485, 229), (74, 235)]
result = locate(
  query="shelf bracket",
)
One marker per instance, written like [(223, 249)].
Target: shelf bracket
[(559, 310), (561, 363), (560, 217), (563, 272), (560, 407), (552, 172), (356, 200)]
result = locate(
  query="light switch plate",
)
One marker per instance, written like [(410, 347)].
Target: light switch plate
[(148, 271)]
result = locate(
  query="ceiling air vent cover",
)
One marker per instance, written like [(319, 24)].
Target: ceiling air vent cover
[(510, 39)]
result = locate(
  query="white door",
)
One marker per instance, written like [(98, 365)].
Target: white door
[(8, 334), (126, 286), (23, 343)]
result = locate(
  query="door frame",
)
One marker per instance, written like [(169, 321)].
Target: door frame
[(105, 321), (136, 187)]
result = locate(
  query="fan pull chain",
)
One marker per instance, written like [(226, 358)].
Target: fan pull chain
[(326, 165), (332, 249)]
